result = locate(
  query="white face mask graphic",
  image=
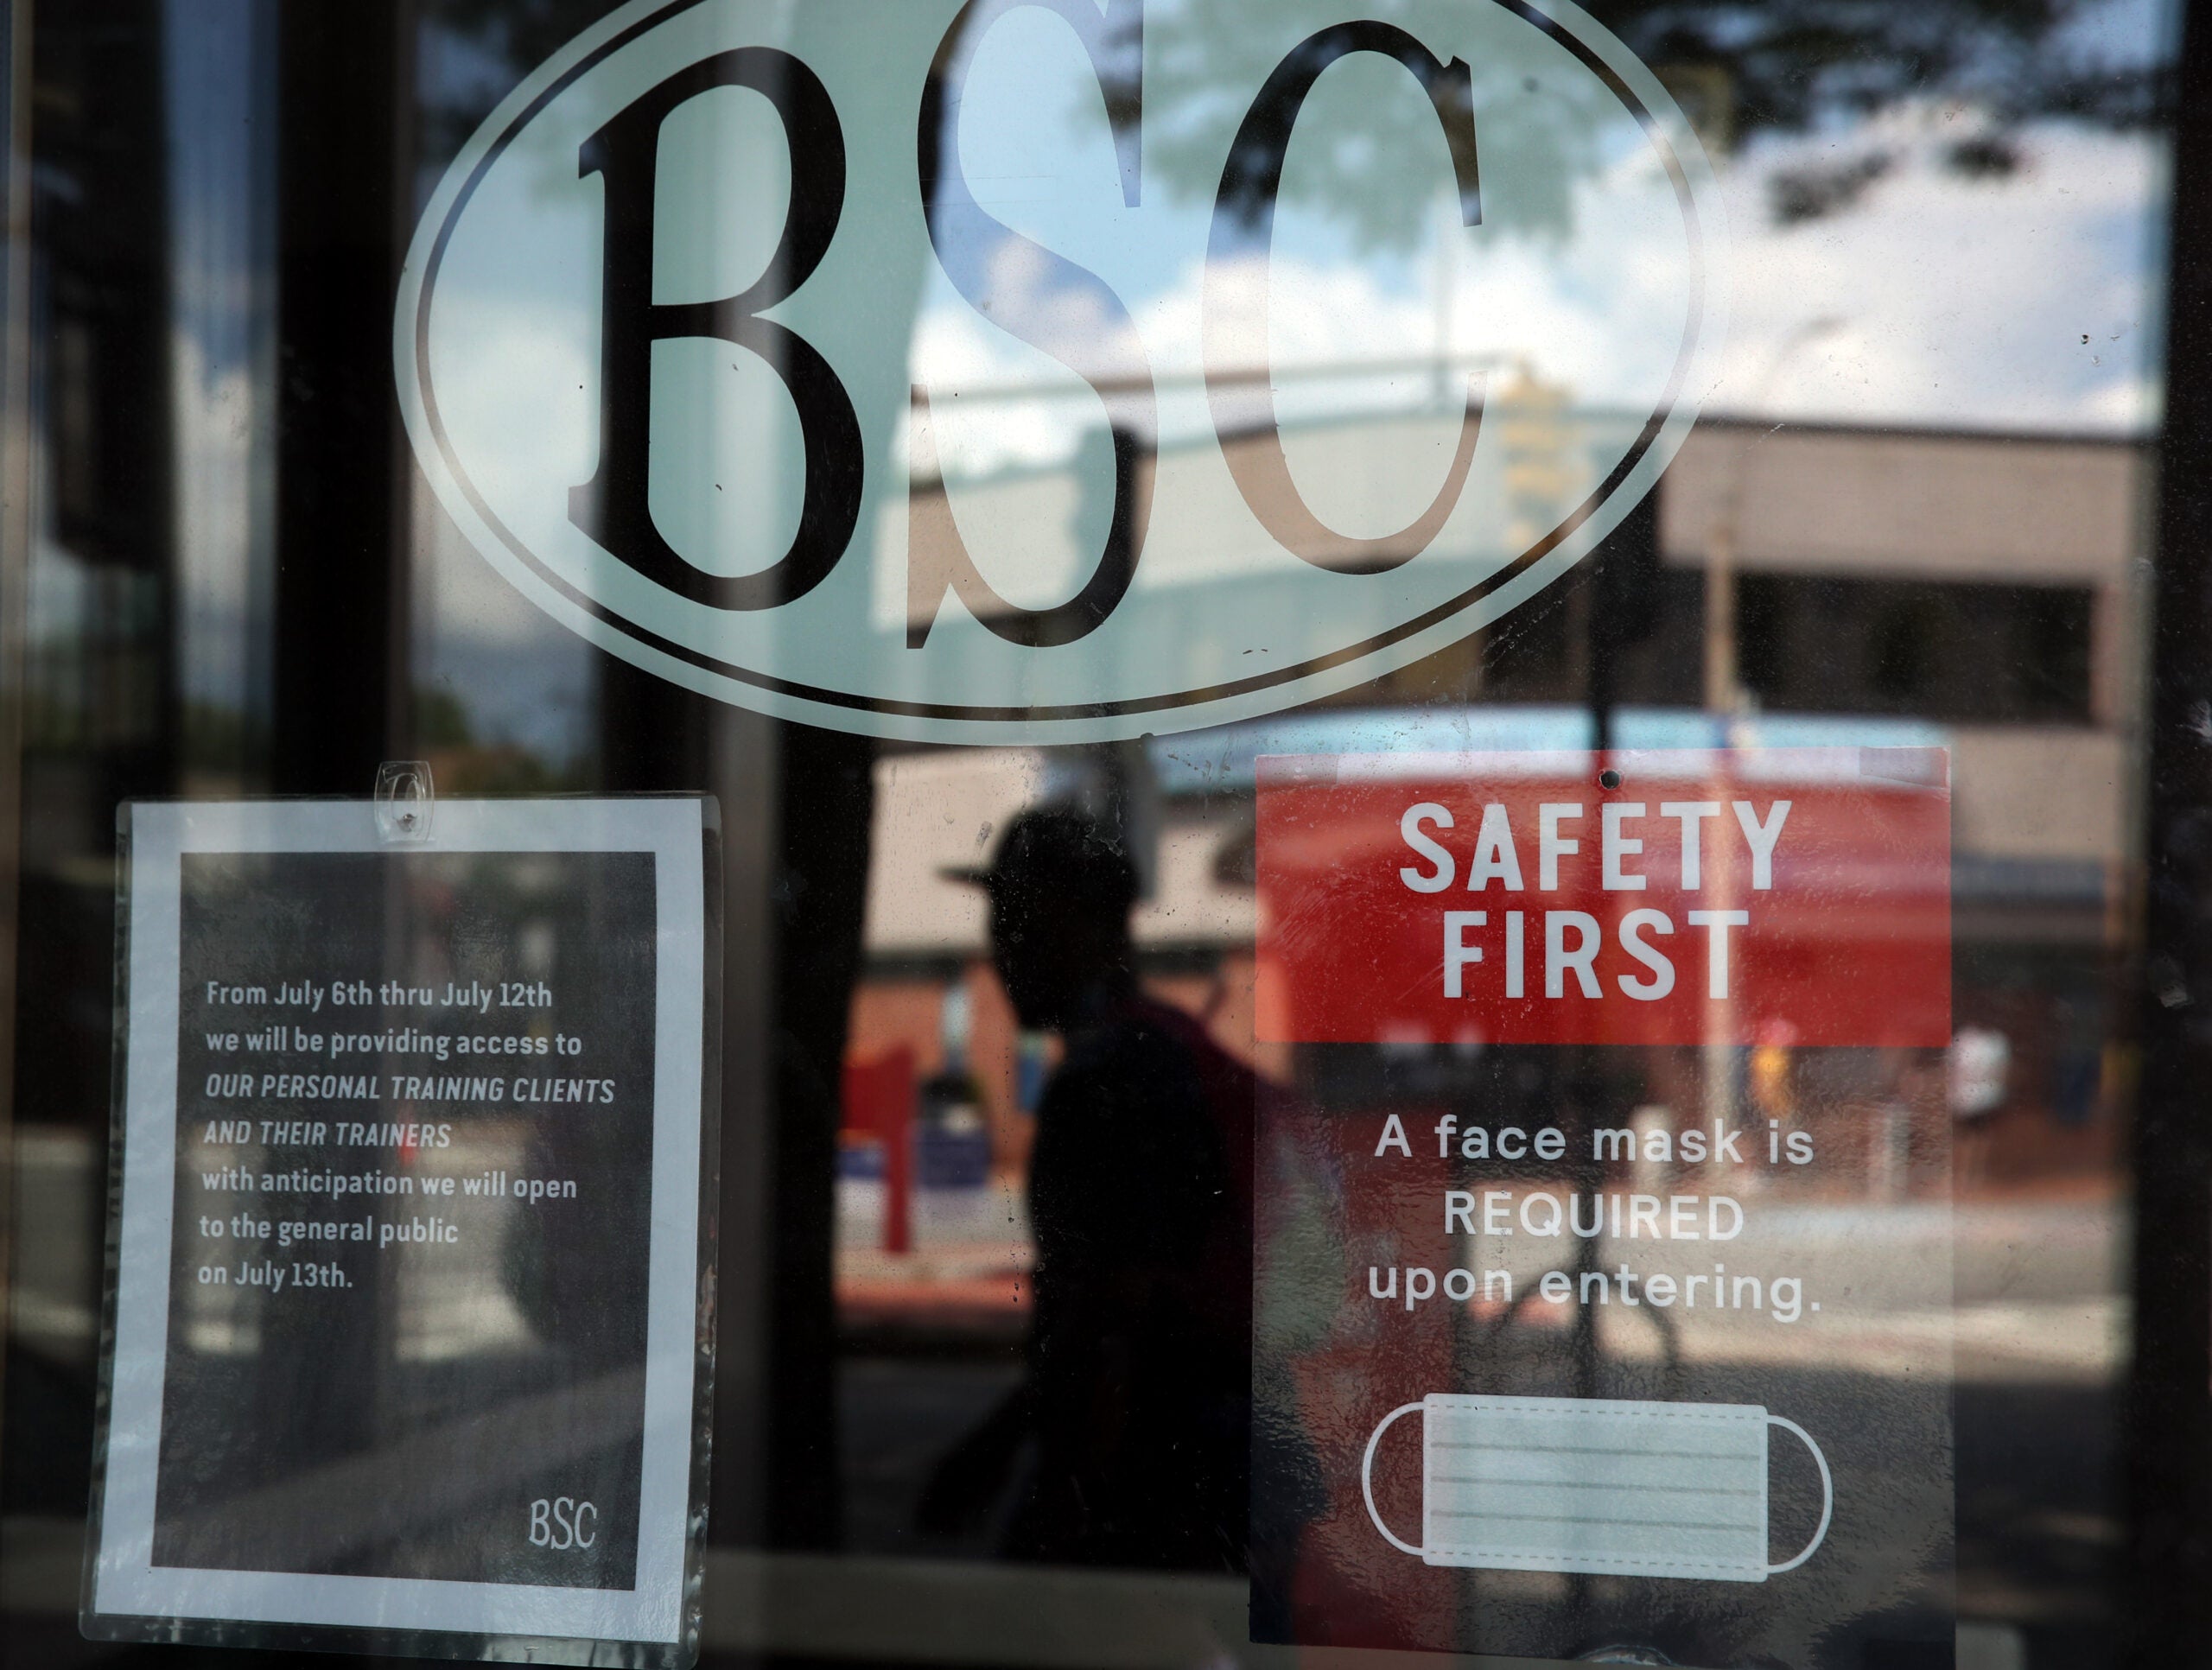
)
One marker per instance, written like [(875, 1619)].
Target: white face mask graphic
[(1595, 1485)]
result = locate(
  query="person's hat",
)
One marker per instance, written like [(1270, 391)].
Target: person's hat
[(1058, 854)]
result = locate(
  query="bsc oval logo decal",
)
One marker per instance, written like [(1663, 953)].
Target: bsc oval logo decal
[(1057, 369)]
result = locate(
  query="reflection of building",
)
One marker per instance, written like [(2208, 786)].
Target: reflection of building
[(1987, 585), (1892, 587)]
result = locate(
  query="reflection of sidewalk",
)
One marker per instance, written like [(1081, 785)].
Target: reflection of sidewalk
[(922, 1294), (2085, 1188), (2079, 1340), (995, 1214), (2036, 1291), (2036, 1284), (2010, 1248), (967, 1275)]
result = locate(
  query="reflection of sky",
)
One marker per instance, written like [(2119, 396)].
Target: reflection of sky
[(510, 358), (1954, 302), (1962, 331), (2116, 34), (1959, 303), (222, 169), (1340, 292), (520, 676)]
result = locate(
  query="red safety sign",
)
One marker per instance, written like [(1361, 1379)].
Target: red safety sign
[(1798, 895)]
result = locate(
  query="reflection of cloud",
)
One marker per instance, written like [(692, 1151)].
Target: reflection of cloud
[(215, 437), (1964, 304), (504, 352), (2131, 406), (525, 677), (468, 617), (225, 502), (1964, 300), (1580, 318)]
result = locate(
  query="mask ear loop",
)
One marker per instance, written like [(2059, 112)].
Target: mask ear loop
[(1827, 1495), (1367, 1482)]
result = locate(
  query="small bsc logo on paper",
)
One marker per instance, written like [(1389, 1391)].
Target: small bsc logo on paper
[(562, 1522)]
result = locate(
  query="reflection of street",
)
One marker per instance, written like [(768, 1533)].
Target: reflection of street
[(444, 1306), (465, 1307), (447, 1306), (449, 1316), (2040, 1327), (2040, 1330), (966, 1275), (2035, 1292), (2038, 1336), (2038, 1333)]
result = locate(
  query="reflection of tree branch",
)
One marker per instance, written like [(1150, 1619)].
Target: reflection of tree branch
[(525, 33), (1789, 65), (517, 35), (1204, 61), (1482, 1349), (1793, 62), (1811, 192)]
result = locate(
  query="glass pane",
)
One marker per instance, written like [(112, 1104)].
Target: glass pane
[(1086, 484)]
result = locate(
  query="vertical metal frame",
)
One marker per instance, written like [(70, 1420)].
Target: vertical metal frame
[(2166, 1559), (14, 562)]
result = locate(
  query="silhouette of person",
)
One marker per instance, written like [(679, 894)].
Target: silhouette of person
[(1137, 1396)]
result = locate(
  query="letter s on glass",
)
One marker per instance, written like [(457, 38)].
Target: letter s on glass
[(1409, 827), (938, 559)]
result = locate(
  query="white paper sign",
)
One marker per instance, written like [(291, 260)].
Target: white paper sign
[(407, 1248)]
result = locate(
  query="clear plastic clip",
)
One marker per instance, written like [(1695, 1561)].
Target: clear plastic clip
[(405, 800)]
